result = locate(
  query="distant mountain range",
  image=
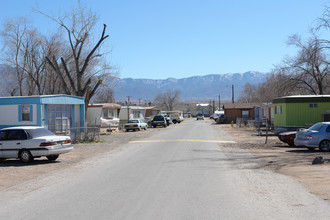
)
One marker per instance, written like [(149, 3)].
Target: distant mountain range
[(195, 88)]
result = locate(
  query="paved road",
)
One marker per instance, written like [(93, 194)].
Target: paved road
[(180, 172)]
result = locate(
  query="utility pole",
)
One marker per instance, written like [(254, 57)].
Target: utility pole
[(232, 93), (219, 103), (128, 97)]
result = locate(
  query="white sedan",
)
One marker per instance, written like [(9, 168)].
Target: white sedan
[(135, 125), (29, 142)]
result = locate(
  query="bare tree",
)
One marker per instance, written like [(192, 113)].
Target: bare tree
[(14, 35), (167, 100), (104, 95), (82, 69), (54, 45), (277, 84), (248, 94), (8, 86), (310, 68), (25, 50)]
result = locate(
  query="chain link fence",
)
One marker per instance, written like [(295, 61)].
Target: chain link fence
[(79, 134)]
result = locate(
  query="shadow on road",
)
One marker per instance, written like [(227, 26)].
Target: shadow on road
[(18, 163)]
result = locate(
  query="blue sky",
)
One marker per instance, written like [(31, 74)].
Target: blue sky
[(160, 39)]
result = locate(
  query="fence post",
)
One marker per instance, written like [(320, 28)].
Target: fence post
[(266, 131)]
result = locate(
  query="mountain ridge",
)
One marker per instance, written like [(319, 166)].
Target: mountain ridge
[(194, 88)]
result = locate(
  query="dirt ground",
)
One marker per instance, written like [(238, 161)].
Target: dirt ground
[(13, 172), (274, 156), (278, 157)]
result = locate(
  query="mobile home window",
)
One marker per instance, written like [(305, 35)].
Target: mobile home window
[(25, 112), (278, 109), (105, 113), (313, 105), (245, 113), (108, 113), (59, 118), (136, 114)]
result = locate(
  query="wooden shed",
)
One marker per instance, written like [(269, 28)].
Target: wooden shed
[(239, 110)]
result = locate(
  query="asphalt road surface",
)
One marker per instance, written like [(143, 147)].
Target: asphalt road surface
[(181, 172)]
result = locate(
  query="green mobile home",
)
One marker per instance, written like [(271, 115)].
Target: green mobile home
[(293, 112)]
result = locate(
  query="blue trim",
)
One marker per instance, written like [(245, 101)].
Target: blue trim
[(73, 118), (20, 113), (31, 112)]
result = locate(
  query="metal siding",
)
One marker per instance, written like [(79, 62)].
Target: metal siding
[(45, 116), (280, 119), (63, 100), (51, 99), (300, 114), (72, 117)]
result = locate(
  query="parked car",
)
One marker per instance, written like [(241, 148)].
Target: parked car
[(159, 120), (29, 142), (214, 116), (287, 137), (148, 120), (135, 125), (176, 118), (168, 120), (220, 119), (200, 116), (317, 136)]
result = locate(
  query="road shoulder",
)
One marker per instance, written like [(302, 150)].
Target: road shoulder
[(251, 152)]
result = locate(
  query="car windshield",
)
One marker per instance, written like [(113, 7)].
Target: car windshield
[(316, 127), (39, 132), (158, 118), (133, 121)]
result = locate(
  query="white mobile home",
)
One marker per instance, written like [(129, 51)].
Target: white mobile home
[(105, 115), (132, 112)]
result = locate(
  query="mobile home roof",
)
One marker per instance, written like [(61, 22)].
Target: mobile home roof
[(302, 99)]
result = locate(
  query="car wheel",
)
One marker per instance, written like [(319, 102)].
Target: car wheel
[(25, 156), (174, 121), (179, 122), (324, 146), (52, 157), (311, 148), (145, 128), (154, 126)]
